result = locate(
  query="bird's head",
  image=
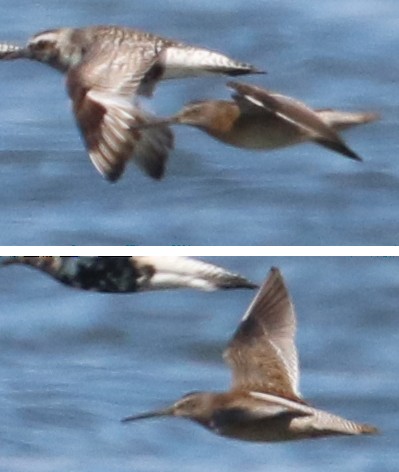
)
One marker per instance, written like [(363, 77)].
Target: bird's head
[(196, 406), (60, 48)]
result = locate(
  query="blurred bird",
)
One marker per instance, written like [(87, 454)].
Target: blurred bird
[(264, 403), (106, 68), (263, 120), (133, 274)]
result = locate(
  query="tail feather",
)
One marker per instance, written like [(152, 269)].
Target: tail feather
[(328, 424), (341, 120), (368, 429)]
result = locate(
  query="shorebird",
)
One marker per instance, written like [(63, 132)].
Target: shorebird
[(133, 274), (259, 119), (264, 403), (106, 68)]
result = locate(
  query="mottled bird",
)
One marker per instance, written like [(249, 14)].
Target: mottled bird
[(134, 273), (106, 68), (262, 120), (264, 403)]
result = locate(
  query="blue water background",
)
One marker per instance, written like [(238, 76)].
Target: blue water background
[(334, 53), (73, 363)]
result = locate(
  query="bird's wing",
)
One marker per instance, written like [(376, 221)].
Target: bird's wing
[(103, 88), (293, 112), (178, 271), (262, 353)]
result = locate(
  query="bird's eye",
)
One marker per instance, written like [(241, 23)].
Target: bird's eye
[(40, 45)]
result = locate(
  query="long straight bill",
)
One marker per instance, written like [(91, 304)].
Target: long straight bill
[(149, 414)]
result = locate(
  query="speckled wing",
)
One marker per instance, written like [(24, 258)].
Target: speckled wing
[(262, 353), (102, 89), (294, 112), (177, 271)]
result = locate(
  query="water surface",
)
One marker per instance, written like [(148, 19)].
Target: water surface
[(73, 363), (330, 54)]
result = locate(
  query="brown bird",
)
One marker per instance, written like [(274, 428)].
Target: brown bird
[(262, 120), (134, 273), (106, 68), (264, 403)]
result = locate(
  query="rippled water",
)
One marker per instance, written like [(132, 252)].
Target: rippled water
[(73, 363), (331, 53)]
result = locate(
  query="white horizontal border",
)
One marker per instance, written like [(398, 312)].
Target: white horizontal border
[(279, 251)]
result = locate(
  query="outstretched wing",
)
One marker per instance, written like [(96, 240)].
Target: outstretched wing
[(102, 89), (294, 112), (178, 271), (262, 353)]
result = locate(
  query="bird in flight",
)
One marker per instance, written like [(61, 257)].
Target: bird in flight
[(264, 403), (259, 119), (107, 68), (123, 274)]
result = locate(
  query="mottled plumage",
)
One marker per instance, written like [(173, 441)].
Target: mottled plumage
[(264, 403), (133, 274), (106, 68)]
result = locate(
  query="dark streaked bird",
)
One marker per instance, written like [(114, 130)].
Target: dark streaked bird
[(264, 403), (133, 274), (262, 120), (106, 68)]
